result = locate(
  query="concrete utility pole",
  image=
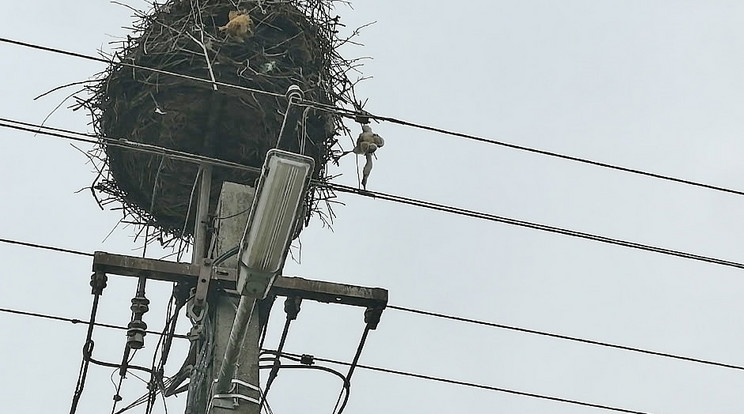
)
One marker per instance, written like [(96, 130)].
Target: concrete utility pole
[(233, 210), (214, 303)]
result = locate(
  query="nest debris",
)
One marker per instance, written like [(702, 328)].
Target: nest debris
[(290, 42)]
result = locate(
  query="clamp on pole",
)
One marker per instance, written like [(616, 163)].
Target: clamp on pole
[(233, 398)]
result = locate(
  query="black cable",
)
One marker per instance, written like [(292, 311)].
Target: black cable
[(226, 255), (39, 246), (450, 209), (356, 115), (135, 66), (565, 337), (97, 283), (122, 143), (75, 321), (479, 386), (354, 363), (531, 225), (491, 217), (117, 366), (275, 371)]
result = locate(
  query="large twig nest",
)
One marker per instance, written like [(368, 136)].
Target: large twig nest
[(275, 45)]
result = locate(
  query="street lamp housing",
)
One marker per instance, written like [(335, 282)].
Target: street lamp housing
[(273, 220)]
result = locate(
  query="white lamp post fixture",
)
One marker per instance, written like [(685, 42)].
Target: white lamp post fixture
[(271, 224), (272, 221)]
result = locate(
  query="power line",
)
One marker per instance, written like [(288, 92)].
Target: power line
[(76, 321), (121, 143), (399, 308), (527, 224), (475, 385), (39, 246), (363, 114), (135, 66), (388, 197), (564, 337), (542, 152)]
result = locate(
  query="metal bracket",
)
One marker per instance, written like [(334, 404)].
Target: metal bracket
[(232, 399), (202, 285)]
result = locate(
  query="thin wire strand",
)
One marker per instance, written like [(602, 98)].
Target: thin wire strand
[(356, 114), (50, 248), (420, 203), (429, 205), (564, 337), (76, 321), (135, 66), (122, 143), (527, 224), (479, 386)]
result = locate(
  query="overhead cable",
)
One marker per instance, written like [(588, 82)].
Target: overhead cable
[(471, 137), (135, 66), (391, 197), (122, 143), (39, 246), (527, 224), (564, 337), (366, 115), (475, 385), (76, 321)]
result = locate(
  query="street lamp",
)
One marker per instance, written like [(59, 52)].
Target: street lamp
[(273, 220), (271, 224)]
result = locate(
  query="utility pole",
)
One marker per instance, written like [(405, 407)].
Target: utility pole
[(223, 359), (232, 214)]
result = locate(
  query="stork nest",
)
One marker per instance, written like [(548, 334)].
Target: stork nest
[(138, 98)]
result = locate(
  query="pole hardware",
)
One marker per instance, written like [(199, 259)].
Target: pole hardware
[(98, 283), (292, 307), (137, 328), (372, 316)]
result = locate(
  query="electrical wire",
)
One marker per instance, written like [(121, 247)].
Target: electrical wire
[(357, 114), (564, 337), (135, 66), (478, 386), (122, 143), (353, 114), (75, 321), (341, 404), (51, 248), (400, 308), (98, 283), (439, 207), (433, 206), (527, 224)]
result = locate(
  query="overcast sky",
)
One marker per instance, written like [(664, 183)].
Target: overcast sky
[(653, 85)]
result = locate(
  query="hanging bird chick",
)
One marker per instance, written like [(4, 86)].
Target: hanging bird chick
[(239, 26), (367, 143)]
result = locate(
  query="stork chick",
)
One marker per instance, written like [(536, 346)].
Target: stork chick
[(239, 26), (367, 143)]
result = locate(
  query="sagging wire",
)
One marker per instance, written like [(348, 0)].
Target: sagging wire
[(97, 283), (157, 384), (292, 309), (305, 362), (371, 319)]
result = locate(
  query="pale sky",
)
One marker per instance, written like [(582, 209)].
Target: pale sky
[(652, 85)]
